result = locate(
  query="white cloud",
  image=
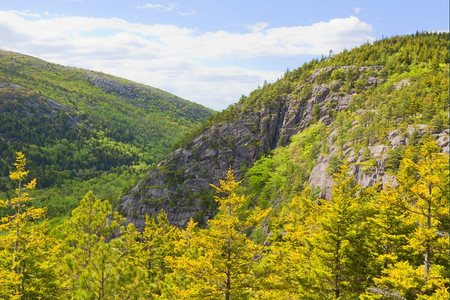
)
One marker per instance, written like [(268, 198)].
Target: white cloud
[(258, 26), (357, 10), (174, 58), (157, 6), (172, 7), (28, 13)]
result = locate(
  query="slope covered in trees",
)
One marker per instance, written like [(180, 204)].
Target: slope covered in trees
[(365, 105), (81, 126), (391, 243)]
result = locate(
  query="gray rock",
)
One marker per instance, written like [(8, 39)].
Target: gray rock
[(319, 177), (182, 180), (442, 140)]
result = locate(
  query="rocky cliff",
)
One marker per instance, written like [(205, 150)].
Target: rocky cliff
[(376, 102), (375, 172), (180, 183)]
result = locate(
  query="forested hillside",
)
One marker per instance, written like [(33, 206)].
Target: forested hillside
[(365, 105), (362, 244), (82, 128), (330, 183)]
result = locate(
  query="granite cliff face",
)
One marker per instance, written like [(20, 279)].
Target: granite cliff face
[(181, 182), (367, 175)]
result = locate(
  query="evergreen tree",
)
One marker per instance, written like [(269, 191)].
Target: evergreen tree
[(324, 249), (424, 188), (98, 266), (26, 249), (392, 227), (218, 263), (158, 242), (422, 195), (342, 254), (284, 272)]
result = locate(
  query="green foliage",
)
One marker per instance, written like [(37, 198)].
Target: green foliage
[(338, 74), (287, 169), (322, 77), (363, 243), (218, 261), (75, 125), (158, 242), (335, 163), (396, 53), (26, 248), (341, 246), (413, 218), (423, 63), (387, 242), (394, 158), (95, 266)]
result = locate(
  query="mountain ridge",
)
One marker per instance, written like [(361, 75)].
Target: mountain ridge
[(76, 124), (345, 97)]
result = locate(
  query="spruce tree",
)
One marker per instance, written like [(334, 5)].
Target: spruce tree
[(422, 197), (158, 242), (342, 253)]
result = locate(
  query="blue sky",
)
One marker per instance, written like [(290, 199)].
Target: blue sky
[(210, 52)]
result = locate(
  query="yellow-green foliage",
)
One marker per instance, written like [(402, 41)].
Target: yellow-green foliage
[(287, 169), (362, 243), (26, 248), (218, 262)]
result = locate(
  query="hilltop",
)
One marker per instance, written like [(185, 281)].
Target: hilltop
[(364, 106), (84, 129)]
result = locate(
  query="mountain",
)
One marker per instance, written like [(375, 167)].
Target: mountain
[(363, 106), (372, 122), (77, 126)]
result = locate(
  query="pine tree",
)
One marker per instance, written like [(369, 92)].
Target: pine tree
[(422, 195), (178, 283), (392, 227), (341, 250), (158, 242), (284, 272), (26, 249), (424, 188), (219, 261), (324, 249), (96, 265)]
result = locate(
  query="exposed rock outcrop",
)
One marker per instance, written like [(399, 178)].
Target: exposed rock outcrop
[(181, 182), (369, 173)]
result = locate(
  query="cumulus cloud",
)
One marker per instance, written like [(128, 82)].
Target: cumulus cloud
[(173, 58)]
